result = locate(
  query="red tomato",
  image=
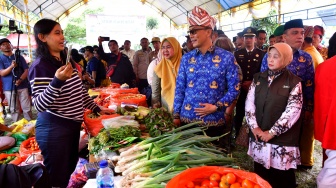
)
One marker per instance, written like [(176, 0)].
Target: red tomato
[(197, 186), (215, 177), (256, 186), (213, 183), (231, 178), (205, 183), (190, 184), (235, 185), (222, 184), (247, 184), (223, 178)]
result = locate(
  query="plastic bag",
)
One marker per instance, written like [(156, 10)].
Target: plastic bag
[(11, 150), (94, 125), (181, 180), (129, 98), (78, 177), (16, 161), (19, 125), (117, 122), (25, 150), (19, 137)]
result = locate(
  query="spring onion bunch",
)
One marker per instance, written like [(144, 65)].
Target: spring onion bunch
[(154, 161)]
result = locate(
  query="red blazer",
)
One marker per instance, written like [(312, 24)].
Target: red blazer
[(325, 103)]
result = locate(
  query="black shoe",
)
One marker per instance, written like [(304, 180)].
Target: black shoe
[(304, 167)]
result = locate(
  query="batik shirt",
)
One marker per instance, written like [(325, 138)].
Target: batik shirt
[(204, 79), (272, 155), (301, 66)]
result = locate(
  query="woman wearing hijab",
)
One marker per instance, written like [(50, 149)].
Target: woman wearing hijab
[(273, 108), (165, 74)]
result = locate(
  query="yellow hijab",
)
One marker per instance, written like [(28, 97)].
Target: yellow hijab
[(167, 70)]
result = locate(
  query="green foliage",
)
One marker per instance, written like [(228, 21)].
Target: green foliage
[(268, 24), (75, 31), (152, 23), (5, 30)]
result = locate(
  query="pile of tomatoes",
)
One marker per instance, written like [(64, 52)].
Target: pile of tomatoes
[(32, 146), (216, 180)]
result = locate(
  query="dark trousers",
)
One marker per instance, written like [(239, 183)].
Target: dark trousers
[(142, 84), (240, 111), (58, 139), (276, 178)]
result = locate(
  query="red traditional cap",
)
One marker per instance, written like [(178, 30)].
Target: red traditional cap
[(319, 30), (200, 17), (309, 30)]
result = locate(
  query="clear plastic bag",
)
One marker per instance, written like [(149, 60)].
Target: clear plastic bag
[(120, 121)]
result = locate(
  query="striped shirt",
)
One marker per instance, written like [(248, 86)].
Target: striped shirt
[(66, 99)]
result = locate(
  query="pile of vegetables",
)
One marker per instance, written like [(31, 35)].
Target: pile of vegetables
[(155, 161), (111, 137), (7, 159), (33, 146), (216, 176), (229, 180), (159, 121), (139, 112)]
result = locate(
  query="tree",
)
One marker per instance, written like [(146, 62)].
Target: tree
[(152, 23), (75, 31), (4, 30), (268, 24)]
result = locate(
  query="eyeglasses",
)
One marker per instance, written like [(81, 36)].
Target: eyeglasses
[(194, 31)]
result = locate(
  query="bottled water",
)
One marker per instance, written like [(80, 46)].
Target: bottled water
[(105, 178)]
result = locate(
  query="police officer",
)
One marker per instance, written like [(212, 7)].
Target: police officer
[(249, 59)]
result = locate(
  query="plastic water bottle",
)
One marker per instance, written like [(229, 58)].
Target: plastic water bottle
[(105, 178)]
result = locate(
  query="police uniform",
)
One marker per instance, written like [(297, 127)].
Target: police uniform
[(250, 63)]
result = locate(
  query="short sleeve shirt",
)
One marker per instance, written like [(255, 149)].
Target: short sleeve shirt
[(8, 80)]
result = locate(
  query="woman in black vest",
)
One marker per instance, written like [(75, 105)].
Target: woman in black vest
[(273, 108)]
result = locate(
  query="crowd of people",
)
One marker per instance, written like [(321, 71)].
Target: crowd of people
[(270, 85)]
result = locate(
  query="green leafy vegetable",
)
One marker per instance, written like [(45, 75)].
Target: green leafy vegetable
[(111, 137), (159, 121)]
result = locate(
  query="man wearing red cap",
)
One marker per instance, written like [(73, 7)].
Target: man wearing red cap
[(317, 39), (204, 76)]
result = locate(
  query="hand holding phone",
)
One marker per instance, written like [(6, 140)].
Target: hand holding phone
[(105, 38)]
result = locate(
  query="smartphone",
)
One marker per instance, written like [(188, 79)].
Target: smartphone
[(105, 38), (68, 55)]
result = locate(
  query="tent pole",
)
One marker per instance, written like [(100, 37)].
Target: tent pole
[(28, 29), (279, 12)]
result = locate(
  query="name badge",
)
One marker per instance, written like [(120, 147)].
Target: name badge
[(285, 86)]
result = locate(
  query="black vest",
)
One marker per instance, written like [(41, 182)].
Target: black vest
[(271, 102)]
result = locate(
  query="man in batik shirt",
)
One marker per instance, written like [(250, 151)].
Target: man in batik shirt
[(204, 76)]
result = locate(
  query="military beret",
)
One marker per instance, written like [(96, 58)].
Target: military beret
[(297, 23), (279, 30)]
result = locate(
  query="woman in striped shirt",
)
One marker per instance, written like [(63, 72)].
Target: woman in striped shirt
[(60, 99)]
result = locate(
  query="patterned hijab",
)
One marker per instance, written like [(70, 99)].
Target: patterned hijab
[(167, 70)]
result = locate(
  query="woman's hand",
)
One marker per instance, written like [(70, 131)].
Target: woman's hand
[(256, 132), (206, 110), (64, 72), (266, 136)]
